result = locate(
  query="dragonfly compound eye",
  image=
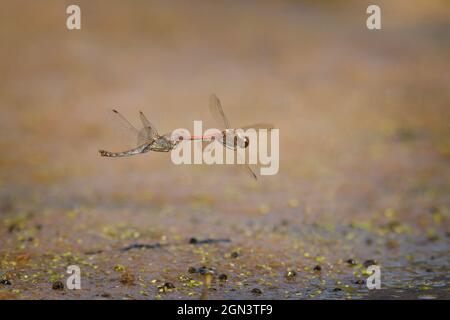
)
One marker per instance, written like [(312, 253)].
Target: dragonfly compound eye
[(247, 142)]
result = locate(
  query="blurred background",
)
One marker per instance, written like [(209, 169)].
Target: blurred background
[(364, 146)]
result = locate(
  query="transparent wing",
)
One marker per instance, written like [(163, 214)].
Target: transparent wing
[(267, 126), (150, 128), (248, 170), (126, 133), (123, 132), (215, 107), (124, 122)]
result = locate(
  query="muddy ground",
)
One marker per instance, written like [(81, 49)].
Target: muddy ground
[(364, 151)]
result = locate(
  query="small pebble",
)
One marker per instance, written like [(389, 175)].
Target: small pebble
[(256, 291), (359, 281), (58, 285), (351, 262), (234, 254), (290, 274), (5, 282), (337, 289), (166, 287), (317, 268), (369, 263), (223, 277), (169, 285), (193, 240)]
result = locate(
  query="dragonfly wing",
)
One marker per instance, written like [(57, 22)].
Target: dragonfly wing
[(246, 167), (124, 122), (250, 171), (124, 131), (149, 132), (215, 107)]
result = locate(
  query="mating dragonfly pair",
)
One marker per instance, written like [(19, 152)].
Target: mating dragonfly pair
[(148, 138)]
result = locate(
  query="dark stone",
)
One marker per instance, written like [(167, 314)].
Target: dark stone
[(169, 285), (351, 262), (369, 263), (58, 285), (223, 277), (5, 282), (290, 274), (256, 291)]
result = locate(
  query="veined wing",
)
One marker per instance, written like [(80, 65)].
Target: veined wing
[(249, 171), (124, 122), (246, 167), (215, 107), (149, 132), (129, 134)]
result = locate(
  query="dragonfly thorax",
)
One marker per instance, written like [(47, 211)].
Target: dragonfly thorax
[(163, 144), (234, 139)]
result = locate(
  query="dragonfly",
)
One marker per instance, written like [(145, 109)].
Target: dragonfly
[(232, 138), (148, 138)]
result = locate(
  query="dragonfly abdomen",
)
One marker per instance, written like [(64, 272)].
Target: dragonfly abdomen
[(104, 153), (141, 149)]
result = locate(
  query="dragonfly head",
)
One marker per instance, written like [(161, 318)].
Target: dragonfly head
[(241, 141), (246, 142)]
